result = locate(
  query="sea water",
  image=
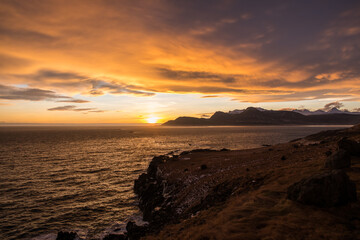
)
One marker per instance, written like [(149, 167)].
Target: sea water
[(81, 178)]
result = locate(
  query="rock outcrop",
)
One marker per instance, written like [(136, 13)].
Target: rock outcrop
[(63, 235), (115, 237), (350, 146), (327, 189), (340, 159), (150, 187)]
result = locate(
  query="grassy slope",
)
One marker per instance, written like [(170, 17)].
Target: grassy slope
[(257, 207)]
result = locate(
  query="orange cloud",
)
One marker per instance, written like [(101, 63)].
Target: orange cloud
[(142, 48)]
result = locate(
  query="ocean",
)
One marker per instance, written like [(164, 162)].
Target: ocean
[(81, 178)]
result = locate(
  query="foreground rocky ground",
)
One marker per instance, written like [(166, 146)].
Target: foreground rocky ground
[(304, 189)]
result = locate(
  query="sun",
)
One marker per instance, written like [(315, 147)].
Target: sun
[(152, 119)]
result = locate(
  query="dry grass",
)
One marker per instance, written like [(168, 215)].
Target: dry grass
[(257, 211)]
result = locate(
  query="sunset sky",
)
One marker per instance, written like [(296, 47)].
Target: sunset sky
[(116, 61)]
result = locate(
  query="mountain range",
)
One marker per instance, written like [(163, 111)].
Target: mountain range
[(260, 116)]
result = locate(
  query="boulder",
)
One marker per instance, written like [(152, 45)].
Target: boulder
[(340, 159), (63, 235), (327, 189), (135, 232), (351, 146), (115, 237), (203, 167)]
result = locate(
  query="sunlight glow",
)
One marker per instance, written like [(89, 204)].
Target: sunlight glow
[(152, 119)]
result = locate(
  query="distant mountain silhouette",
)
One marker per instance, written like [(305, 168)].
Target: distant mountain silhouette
[(333, 110), (253, 116)]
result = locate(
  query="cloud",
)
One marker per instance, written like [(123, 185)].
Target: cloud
[(75, 109), (31, 94), (331, 105), (63, 108), (74, 101), (210, 96), (194, 75), (34, 94), (98, 88), (272, 53), (94, 86)]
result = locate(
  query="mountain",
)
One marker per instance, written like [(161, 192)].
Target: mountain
[(319, 112), (253, 116), (335, 110), (303, 111), (237, 111)]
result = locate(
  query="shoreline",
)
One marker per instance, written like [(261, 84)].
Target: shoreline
[(182, 196), (244, 194)]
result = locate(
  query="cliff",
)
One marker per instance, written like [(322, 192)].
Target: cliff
[(254, 194)]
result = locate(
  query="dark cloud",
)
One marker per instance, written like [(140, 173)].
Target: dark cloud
[(331, 105), (26, 36), (191, 75), (97, 111), (31, 94), (98, 86), (262, 44), (49, 75), (76, 109), (74, 101), (217, 90), (34, 94), (63, 108), (210, 96), (53, 74)]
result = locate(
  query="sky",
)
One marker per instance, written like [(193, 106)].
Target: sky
[(114, 61)]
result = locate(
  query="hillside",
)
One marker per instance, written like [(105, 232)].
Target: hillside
[(253, 116)]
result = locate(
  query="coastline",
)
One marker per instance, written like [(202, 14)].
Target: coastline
[(208, 194), (246, 194)]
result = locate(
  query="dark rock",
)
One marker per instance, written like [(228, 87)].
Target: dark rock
[(340, 159), (351, 146), (149, 188), (184, 153), (203, 150), (115, 237), (283, 158), (140, 183), (203, 167), (135, 232), (224, 150), (150, 198), (328, 153), (185, 170), (326, 189), (152, 169), (296, 145), (266, 145), (224, 190), (62, 235)]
